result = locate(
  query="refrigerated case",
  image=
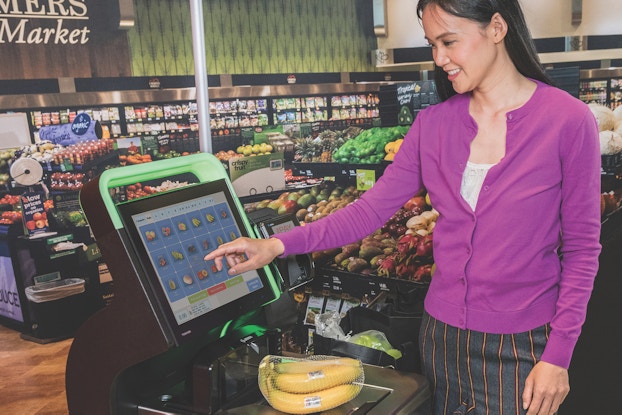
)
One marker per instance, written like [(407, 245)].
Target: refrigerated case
[(232, 121), (171, 122), (615, 92), (295, 112), (108, 118), (601, 86), (233, 110), (357, 108)]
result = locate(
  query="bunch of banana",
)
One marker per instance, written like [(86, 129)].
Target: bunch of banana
[(307, 385)]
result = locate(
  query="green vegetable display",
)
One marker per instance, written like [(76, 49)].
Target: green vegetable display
[(69, 219), (368, 146)]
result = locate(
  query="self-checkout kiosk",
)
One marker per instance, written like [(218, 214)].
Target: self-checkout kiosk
[(181, 337)]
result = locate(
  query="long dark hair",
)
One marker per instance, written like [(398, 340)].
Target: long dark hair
[(518, 41)]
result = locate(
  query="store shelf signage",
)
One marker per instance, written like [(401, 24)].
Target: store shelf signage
[(81, 124), (82, 129), (365, 179), (62, 22), (33, 212), (9, 298)]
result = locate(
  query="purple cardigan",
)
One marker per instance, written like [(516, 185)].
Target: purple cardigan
[(528, 255)]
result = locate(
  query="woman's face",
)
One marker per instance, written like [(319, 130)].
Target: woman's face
[(461, 47)]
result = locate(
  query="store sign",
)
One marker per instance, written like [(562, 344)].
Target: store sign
[(81, 124), (34, 22), (33, 212), (9, 297), (365, 179), (82, 129)]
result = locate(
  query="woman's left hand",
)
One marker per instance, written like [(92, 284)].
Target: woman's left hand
[(546, 388)]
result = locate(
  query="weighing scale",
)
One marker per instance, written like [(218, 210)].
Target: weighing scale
[(181, 337), (26, 171)]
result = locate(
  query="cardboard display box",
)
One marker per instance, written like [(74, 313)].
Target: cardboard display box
[(253, 175)]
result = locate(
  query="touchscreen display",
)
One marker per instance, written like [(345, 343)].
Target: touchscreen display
[(177, 237)]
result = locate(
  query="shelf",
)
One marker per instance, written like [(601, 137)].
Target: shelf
[(334, 282), (159, 119), (106, 158), (339, 171)]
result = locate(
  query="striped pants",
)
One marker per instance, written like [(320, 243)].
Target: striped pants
[(478, 373)]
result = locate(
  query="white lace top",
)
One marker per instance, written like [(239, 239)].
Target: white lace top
[(472, 180)]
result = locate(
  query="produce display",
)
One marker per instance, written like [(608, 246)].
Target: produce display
[(135, 158), (165, 152), (226, 155), (69, 219), (67, 181), (313, 384), (8, 199), (401, 249), (13, 213), (322, 147), (246, 150), (610, 135), (5, 156), (310, 204), (138, 190), (610, 202), (10, 217), (369, 146), (4, 179), (391, 148), (55, 154)]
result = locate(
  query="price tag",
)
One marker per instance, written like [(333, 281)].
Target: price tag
[(365, 179)]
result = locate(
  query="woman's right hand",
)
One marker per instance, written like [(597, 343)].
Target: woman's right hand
[(245, 254)]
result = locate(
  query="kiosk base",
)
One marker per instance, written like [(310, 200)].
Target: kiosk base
[(386, 391), (34, 339)]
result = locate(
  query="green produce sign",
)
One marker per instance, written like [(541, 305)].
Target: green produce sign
[(365, 179)]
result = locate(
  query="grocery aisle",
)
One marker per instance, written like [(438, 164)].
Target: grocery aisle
[(33, 382)]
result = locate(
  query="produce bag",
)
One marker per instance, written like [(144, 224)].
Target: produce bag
[(327, 325), (306, 385), (400, 328), (376, 340), (327, 346)]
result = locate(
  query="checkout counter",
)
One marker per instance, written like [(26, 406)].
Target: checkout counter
[(181, 337)]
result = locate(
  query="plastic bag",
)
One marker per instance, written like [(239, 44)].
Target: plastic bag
[(306, 385), (55, 290), (328, 325), (375, 339)]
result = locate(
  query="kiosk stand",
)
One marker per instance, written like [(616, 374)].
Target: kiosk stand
[(181, 337), (133, 348)]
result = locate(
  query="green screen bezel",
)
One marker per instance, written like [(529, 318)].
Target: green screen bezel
[(204, 166)]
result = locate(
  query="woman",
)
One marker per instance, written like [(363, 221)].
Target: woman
[(513, 166)]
